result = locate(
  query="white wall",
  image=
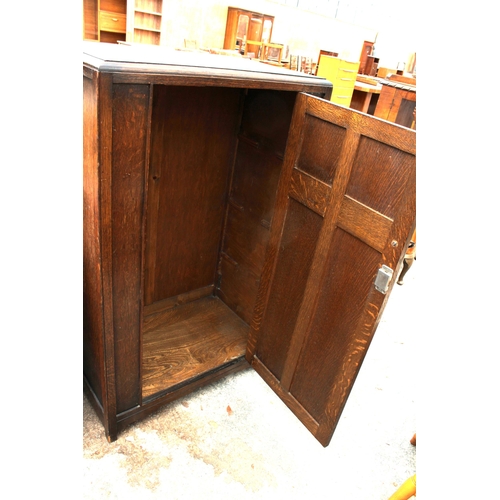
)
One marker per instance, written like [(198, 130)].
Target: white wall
[(388, 22)]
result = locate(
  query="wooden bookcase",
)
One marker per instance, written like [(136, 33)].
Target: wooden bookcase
[(113, 21), (144, 21), (233, 217)]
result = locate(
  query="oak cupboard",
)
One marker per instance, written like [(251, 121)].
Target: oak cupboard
[(233, 216)]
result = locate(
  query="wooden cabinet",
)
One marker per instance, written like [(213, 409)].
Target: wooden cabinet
[(247, 31), (342, 74), (113, 21), (398, 100), (232, 217), (324, 53)]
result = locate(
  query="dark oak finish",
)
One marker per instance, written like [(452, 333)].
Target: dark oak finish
[(184, 341), (312, 327), (182, 201), (397, 101), (227, 216)]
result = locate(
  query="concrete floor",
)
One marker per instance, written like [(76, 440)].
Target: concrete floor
[(236, 439)]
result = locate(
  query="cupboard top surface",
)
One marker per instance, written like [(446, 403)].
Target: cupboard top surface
[(136, 60)]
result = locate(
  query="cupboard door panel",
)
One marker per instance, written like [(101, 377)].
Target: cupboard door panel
[(345, 207), (296, 251)]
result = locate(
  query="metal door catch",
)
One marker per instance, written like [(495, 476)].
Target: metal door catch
[(384, 276)]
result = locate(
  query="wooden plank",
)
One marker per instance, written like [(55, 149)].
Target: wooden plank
[(365, 223), (105, 117), (238, 287), (157, 400), (130, 146), (360, 123), (322, 248), (189, 340), (187, 187), (171, 302), (295, 255), (93, 320), (261, 302), (309, 191)]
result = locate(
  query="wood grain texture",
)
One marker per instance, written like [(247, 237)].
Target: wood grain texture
[(264, 128), (295, 256), (238, 287), (380, 175), (309, 191), (337, 308), (281, 206), (190, 166), (105, 124), (246, 238), (266, 119), (318, 269), (130, 133), (320, 148), (366, 224), (171, 302), (93, 320), (376, 129), (326, 360), (396, 105), (194, 338)]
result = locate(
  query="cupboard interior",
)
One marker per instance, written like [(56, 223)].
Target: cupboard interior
[(214, 164)]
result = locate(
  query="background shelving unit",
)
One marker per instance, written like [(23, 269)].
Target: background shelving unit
[(144, 21), (114, 21)]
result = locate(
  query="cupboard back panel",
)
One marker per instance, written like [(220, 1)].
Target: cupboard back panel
[(188, 179)]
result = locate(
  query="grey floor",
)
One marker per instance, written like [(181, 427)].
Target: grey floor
[(236, 439)]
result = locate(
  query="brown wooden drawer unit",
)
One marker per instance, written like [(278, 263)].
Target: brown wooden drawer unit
[(112, 21), (233, 217)]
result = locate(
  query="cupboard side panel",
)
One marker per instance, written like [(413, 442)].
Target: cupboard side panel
[(93, 354), (259, 159), (130, 124)]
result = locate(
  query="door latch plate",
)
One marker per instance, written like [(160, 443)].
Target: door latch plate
[(383, 278)]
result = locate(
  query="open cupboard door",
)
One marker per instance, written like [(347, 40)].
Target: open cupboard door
[(344, 214)]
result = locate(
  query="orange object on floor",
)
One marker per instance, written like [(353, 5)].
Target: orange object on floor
[(407, 490)]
